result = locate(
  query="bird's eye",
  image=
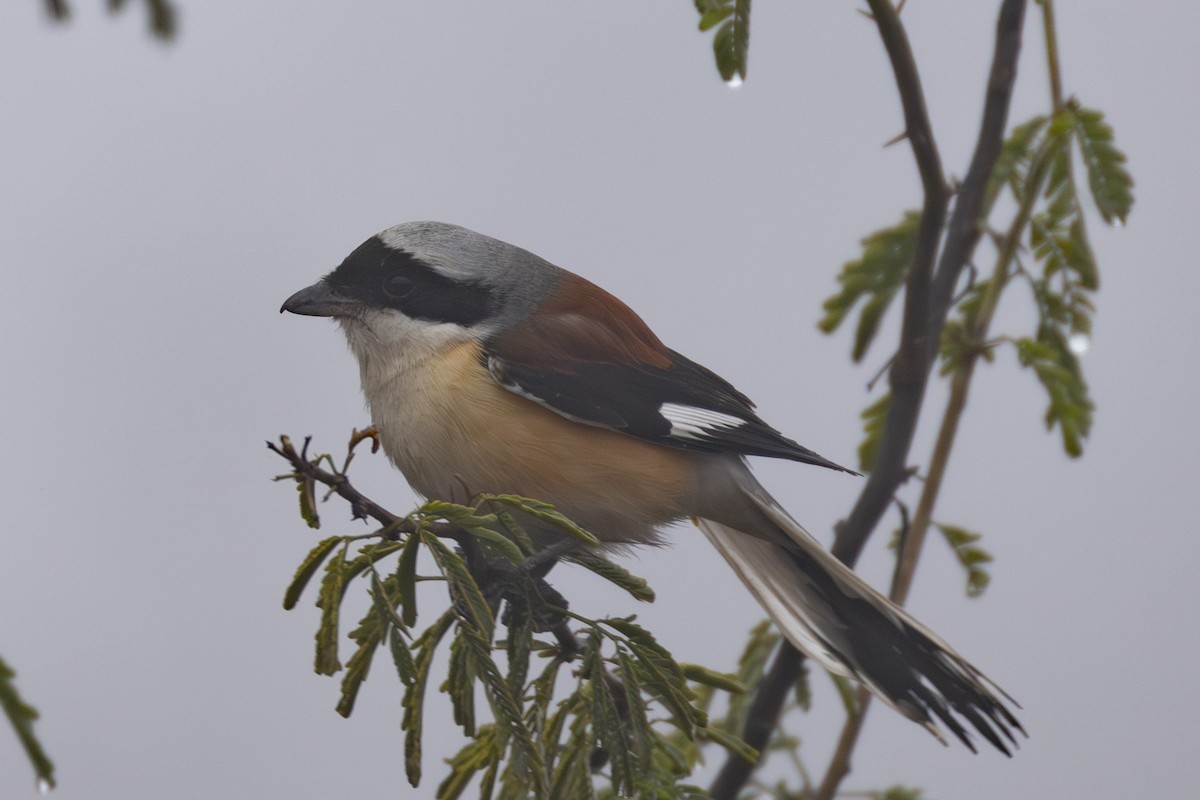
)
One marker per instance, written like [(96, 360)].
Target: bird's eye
[(398, 286)]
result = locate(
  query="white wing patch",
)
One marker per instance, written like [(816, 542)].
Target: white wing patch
[(689, 422)]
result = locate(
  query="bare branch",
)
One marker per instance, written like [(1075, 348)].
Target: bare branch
[(911, 368), (363, 506)]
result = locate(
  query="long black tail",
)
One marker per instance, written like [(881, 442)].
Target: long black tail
[(840, 621)]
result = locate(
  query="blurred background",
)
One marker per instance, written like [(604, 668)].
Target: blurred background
[(159, 202)]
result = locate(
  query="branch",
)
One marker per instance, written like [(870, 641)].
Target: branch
[(911, 368), (927, 302), (534, 568), (960, 385), (966, 227), (967, 222), (362, 505)]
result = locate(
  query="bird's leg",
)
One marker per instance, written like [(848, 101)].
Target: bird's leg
[(540, 563), (524, 584)]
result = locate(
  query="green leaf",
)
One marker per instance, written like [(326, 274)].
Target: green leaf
[(848, 692), (414, 696), (483, 528), (899, 793), (804, 688), (708, 677), (517, 646), (731, 44), (406, 580), (368, 636), (401, 657), (607, 720), (516, 532), (329, 601), (471, 656), (874, 419), (1064, 247), (572, 774), (308, 500), (368, 555), (544, 512), (460, 516), (717, 13), (460, 685), (732, 743), (752, 663), (1013, 163), (21, 717), (1109, 180), (478, 754), (385, 596), (637, 725), (874, 278), (969, 555), (469, 603), (543, 693), (612, 572), (308, 567), (509, 716), (661, 674), (1058, 371)]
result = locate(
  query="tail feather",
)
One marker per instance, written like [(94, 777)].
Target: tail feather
[(848, 627)]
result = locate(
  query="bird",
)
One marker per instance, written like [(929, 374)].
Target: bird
[(488, 369)]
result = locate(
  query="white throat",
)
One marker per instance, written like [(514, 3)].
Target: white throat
[(389, 345)]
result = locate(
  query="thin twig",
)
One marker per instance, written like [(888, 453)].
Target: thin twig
[(362, 505), (839, 765), (910, 552), (1056, 92)]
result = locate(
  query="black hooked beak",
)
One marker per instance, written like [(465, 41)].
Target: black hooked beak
[(319, 300)]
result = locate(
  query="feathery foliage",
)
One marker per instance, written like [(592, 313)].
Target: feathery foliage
[(626, 720), (875, 278)]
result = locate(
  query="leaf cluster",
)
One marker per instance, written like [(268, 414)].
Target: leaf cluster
[(626, 718), (731, 42), (1044, 245), (971, 557), (1037, 168)]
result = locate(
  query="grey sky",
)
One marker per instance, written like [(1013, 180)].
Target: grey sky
[(158, 203)]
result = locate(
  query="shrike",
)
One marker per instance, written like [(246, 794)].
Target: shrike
[(488, 369)]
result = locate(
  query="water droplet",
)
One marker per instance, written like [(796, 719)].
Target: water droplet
[(1078, 343), (44, 786), (735, 81), (1117, 222)]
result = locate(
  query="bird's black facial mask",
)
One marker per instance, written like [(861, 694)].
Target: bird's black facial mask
[(383, 277)]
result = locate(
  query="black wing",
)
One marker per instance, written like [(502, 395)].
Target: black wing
[(681, 405)]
